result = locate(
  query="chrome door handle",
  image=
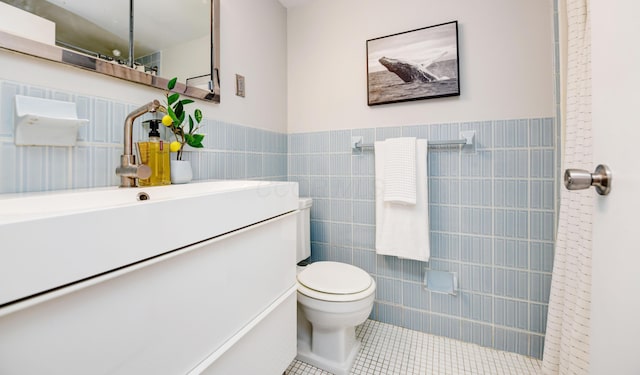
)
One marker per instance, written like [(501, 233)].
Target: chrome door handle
[(578, 179)]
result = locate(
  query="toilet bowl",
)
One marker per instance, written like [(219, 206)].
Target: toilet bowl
[(333, 298)]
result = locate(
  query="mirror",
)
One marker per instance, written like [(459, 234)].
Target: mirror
[(169, 39)]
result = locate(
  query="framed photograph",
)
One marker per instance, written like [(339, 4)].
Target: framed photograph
[(413, 65)]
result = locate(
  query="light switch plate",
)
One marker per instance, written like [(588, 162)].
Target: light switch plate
[(239, 85)]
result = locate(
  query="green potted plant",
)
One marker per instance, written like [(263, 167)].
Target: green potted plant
[(185, 132), (184, 127)]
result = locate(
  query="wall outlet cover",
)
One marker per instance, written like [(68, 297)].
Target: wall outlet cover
[(239, 85)]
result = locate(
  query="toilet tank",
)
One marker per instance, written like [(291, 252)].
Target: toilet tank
[(304, 232)]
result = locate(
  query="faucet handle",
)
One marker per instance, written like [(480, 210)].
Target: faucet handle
[(144, 171), (134, 171), (129, 171)]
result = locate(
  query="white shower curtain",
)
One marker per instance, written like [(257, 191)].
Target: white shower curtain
[(566, 349)]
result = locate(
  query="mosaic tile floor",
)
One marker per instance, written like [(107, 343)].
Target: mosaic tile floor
[(392, 350)]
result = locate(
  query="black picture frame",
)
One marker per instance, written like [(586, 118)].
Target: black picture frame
[(414, 65)]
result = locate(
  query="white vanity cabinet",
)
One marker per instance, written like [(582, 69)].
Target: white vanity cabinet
[(223, 305)]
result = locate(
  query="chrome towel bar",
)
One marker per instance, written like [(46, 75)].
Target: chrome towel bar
[(466, 140)]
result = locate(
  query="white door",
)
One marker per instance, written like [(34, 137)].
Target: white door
[(615, 310)]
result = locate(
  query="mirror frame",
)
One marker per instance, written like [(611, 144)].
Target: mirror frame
[(62, 55)]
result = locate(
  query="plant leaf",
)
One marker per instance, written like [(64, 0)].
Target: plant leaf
[(179, 109), (198, 115), (171, 113), (181, 118), (190, 124), (187, 101), (172, 83), (198, 137), (172, 98), (194, 140)]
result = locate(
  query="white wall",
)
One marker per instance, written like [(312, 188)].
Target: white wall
[(253, 43), (615, 299), (186, 60), (18, 22), (506, 61)]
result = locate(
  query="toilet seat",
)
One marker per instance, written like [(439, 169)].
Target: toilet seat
[(334, 281)]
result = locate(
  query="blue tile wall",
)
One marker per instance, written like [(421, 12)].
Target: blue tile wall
[(492, 219), (231, 151)]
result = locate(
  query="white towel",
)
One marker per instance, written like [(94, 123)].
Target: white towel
[(400, 170), (403, 230)]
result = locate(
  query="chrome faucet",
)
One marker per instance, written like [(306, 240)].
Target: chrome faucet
[(128, 170)]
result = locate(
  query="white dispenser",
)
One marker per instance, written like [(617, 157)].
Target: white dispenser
[(303, 250)]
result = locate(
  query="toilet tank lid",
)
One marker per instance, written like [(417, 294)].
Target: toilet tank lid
[(304, 203), (334, 278)]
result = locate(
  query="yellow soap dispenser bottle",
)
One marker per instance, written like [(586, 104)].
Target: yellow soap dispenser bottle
[(155, 154)]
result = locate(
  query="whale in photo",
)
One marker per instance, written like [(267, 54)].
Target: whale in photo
[(410, 71)]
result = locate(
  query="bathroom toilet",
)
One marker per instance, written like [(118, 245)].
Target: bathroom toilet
[(333, 298)]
